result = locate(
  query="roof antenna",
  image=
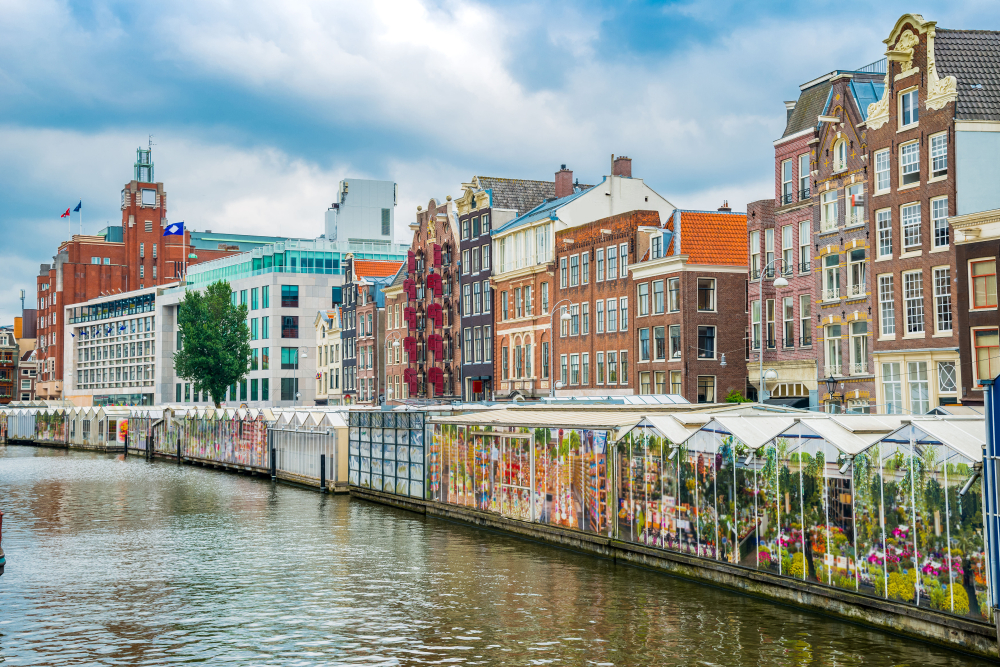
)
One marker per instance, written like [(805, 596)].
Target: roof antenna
[(151, 144)]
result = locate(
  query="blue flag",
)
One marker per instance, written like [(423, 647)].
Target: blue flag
[(174, 229), (78, 207)]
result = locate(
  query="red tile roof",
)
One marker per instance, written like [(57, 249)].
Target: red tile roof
[(710, 237), (375, 269)]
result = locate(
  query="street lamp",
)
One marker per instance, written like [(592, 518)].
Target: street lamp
[(778, 283), (565, 317), (831, 386)]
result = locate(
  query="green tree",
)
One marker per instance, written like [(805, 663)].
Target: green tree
[(215, 349), (736, 396)]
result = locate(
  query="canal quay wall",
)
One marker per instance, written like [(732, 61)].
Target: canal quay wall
[(918, 623)]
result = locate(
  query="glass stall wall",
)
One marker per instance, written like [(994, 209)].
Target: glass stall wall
[(386, 453), (3, 426), (934, 551)]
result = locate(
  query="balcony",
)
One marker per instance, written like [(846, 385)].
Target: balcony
[(839, 165), (755, 274), (834, 369), (859, 368), (805, 341), (856, 218), (828, 226), (805, 267), (804, 194), (786, 198), (769, 272), (831, 294), (786, 269), (855, 291)]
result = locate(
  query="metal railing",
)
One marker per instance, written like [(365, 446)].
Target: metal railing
[(877, 67), (787, 198), (804, 194), (859, 368), (805, 341), (770, 344), (828, 226), (805, 267), (790, 342), (834, 369), (855, 290), (839, 165), (831, 294)]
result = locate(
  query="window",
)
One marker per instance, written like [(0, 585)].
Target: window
[(755, 255), (505, 361), (563, 371), (855, 204), (265, 327), (488, 298), (706, 342), (787, 196), (706, 294), (585, 368), (892, 388), (466, 228), (884, 221), (909, 110), (769, 321), (486, 224), (828, 210), (987, 344), (574, 369), (674, 294), (913, 299), (947, 383), (468, 346), (656, 247), (600, 316), (600, 368), (788, 321), (479, 344), (831, 277), (909, 163), (265, 296), (623, 260), (833, 355), (600, 265), (787, 262), (467, 299), (486, 256), (563, 322), (289, 388), (289, 296), (623, 304), (265, 358), (643, 344), (856, 273), (642, 298), (545, 360), (644, 383), (919, 387), (475, 260), (386, 227), (503, 305), (518, 303), (574, 270), (882, 171), (254, 298), (939, 221), (477, 299), (939, 155), (859, 347), (769, 252), (660, 343), (755, 320), (243, 297), (984, 283), (254, 332), (586, 317), (942, 299), (612, 262), (142, 271), (574, 323), (706, 389), (804, 176), (289, 326), (658, 300), (805, 319), (804, 265), (545, 298), (612, 368), (886, 305), (612, 312), (466, 262), (562, 272), (623, 367), (289, 358)]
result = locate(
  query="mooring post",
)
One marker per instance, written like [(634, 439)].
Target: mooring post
[(178, 450), (274, 465), (322, 473), (149, 447)]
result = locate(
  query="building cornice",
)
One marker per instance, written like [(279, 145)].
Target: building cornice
[(973, 225), (797, 135)]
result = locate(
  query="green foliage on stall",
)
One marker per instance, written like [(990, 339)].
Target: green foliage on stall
[(216, 340)]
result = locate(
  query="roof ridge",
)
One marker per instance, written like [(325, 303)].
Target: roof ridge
[(694, 210)]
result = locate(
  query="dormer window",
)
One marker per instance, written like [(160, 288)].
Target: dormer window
[(840, 156)]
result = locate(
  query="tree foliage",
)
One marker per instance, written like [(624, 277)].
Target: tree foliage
[(215, 340)]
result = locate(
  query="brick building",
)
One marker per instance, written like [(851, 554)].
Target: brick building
[(371, 339), (396, 359), (122, 258), (524, 271), (359, 317), (9, 358), (931, 141), (486, 201), (27, 375), (689, 306), (432, 345)]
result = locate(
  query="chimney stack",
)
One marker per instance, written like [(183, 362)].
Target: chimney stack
[(564, 183), (622, 167), (725, 207)]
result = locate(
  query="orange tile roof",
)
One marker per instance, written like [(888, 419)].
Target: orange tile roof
[(375, 269), (709, 237)]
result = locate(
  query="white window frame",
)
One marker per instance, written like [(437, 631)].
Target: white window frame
[(856, 269), (623, 260), (787, 250), (892, 383), (755, 255), (805, 319), (937, 153), (940, 231), (913, 302), (855, 215), (805, 255), (944, 312), (803, 193), (787, 193), (910, 222), (883, 221), (911, 95), (909, 163), (883, 180), (914, 382), (886, 306), (829, 211)]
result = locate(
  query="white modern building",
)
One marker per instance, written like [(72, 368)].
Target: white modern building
[(364, 209), (119, 348)]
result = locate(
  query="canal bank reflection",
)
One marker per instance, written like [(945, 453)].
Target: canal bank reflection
[(131, 562)]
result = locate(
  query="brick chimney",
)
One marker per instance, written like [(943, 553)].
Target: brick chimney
[(725, 207), (564, 183), (622, 167)]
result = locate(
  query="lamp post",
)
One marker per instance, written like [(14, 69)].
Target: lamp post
[(565, 317), (831, 386), (778, 283), (301, 355)]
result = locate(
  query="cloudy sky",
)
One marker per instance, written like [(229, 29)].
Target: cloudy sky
[(257, 108)]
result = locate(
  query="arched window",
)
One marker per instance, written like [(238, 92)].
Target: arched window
[(840, 155)]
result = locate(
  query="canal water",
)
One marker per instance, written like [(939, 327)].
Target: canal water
[(133, 563)]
